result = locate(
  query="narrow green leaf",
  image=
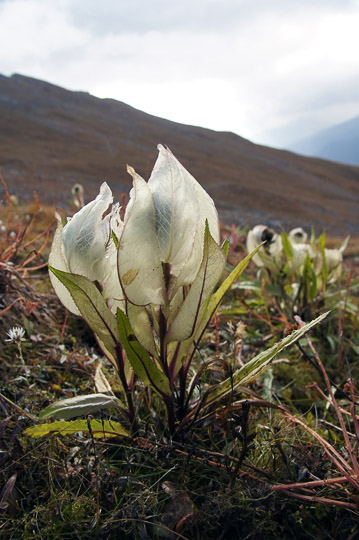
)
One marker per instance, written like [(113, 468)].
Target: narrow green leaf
[(321, 246), (210, 271), (309, 280), (141, 326), (79, 406), (321, 241), (312, 236), (115, 239), (233, 276), (287, 247), (225, 247), (313, 285), (93, 308), (209, 307), (96, 428), (254, 367), (139, 358)]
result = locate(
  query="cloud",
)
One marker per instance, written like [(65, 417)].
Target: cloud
[(252, 67), (163, 16)]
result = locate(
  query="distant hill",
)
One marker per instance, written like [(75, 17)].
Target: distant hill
[(338, 143), (51, 138)]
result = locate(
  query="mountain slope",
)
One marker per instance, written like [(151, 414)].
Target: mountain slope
[(51, 138), (337, 143)]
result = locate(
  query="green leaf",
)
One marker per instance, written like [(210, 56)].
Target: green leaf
[(79, 406), (309, 280), (115, 239), (321, 246), (142, 328), (313, 285), (254, 367), (287, 247), (209, 307), (312, 236), (233, 276), (95, 428), (94, 310), (321, 242), (139, 358), (210, 271), (225, 247)]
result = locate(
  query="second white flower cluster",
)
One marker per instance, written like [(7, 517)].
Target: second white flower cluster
[(293, 249)]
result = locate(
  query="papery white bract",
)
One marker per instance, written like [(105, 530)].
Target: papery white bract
[(165, 254), (86, 236), (139, 261), (85, 246), (164, 224), (182, 207)]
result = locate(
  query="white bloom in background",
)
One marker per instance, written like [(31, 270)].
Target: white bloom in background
[(334, 259), (269, 256), (164, 224), (85, 246), (16, 333), (300, 252), (297, 236), (301, 249), (77, 191)]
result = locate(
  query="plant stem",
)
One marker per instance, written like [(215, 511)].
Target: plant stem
[(170, 413), (162, 323), (121, 371)]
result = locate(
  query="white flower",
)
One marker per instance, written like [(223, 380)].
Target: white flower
[(16, 333), (297, 236), (334, 259), (85, 246), (160, 244), (301, 249), (164, 225), (269, 255), (300, 252)]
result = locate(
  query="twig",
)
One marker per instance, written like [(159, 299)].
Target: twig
[(323, 500), (19, 409)]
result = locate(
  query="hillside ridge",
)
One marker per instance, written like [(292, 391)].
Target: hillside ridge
[(51, 138)]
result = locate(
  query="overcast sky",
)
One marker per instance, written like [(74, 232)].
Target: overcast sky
[(272, 71)]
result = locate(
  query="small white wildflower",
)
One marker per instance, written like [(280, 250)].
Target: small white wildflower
[(16, 333)]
